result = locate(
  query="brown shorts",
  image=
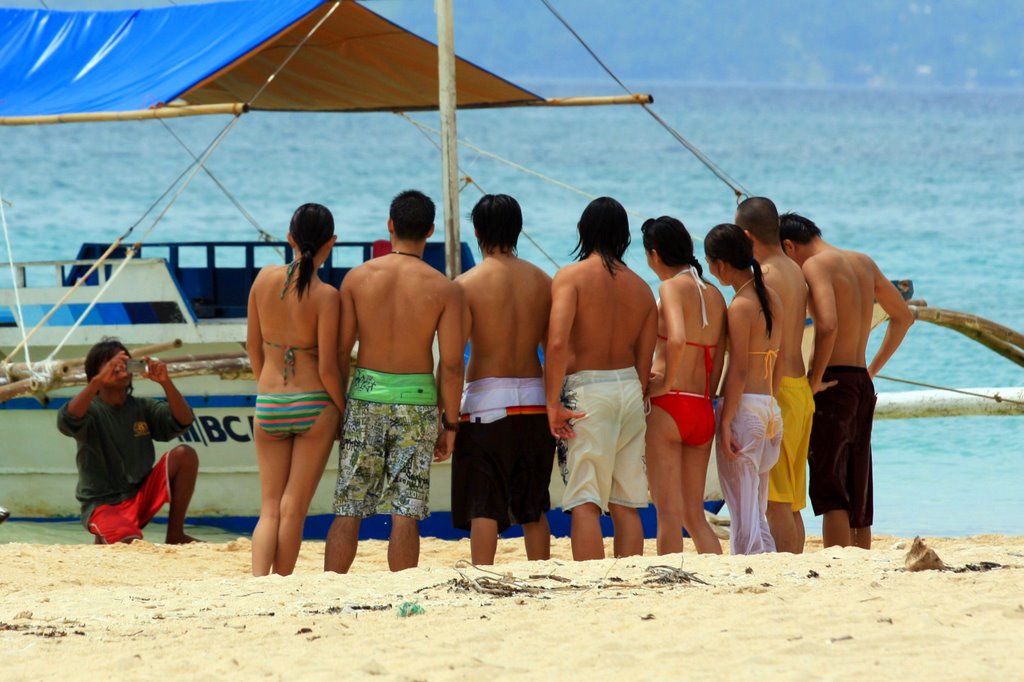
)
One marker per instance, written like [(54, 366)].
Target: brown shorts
[(502, 470), (840, 449)]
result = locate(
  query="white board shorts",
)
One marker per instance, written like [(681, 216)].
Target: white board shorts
[(604, 463)]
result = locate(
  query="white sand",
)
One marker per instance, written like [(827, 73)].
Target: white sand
[(150, 611)]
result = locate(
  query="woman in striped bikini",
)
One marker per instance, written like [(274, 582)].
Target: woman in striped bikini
[(292, 343), (687, 367)]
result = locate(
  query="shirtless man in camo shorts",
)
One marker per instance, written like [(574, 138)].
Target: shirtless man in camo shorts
[(396, 420)]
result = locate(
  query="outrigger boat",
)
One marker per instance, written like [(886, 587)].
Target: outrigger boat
[(187, 300)]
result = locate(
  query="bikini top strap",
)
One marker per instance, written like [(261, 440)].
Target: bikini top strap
[(289, 356), (286, 346), (288, 276), (701, 287), (709, 365), (770, 356)]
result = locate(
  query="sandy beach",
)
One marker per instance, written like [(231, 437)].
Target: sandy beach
[(144, 610)]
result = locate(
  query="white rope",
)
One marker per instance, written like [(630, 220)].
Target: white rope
[(468, 180), (519, 167), (197, 165), (294, 51), (132, 250), (264, 235), (14, 283), (734, 185), (67, 294)]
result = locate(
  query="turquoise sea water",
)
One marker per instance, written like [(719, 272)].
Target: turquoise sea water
[(930, 183)]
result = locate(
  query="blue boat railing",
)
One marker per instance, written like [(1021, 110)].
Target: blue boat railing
[(215, 276)]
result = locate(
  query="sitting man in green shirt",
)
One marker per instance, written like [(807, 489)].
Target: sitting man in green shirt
[(119, 487)]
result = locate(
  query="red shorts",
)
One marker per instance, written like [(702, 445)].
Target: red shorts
[(125, 520)]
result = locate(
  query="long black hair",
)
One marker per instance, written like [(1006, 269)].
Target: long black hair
[(729, 244), (498, 220), (670, 238), (312, 226), (604, 229)]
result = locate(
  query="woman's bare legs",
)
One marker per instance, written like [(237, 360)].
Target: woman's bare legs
[(290, 470), (309, 457), (695, 473), (274, 457), (665, 479)]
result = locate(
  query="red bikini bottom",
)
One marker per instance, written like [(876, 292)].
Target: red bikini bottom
[(693, 414)]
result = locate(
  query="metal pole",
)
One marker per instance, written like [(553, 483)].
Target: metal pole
[(449, 137)]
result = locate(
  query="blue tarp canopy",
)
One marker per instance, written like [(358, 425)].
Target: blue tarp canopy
[(74, 62), (58, 63)]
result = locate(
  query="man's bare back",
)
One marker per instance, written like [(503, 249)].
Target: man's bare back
[(603, 327), (784, 277), (843, 286), (395, 303), (759, 218), (614, 319), (506, 305), (842, 290)]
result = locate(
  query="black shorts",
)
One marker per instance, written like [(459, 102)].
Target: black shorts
[(840, 449), (502, 470)]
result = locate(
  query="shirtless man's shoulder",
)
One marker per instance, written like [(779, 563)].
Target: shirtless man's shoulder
[(781, 269), (862, 261), (635, 284), (825, 258), (483, 273), (422, 272), (528, 269), (570, 271), (825, 266)]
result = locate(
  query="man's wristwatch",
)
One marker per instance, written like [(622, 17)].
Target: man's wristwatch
[(447, 425)]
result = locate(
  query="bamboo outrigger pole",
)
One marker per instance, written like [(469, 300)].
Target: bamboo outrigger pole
[(1007, 342), (449, 138), (169, 111)]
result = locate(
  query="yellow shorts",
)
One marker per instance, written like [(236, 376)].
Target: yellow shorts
[(787, 481)]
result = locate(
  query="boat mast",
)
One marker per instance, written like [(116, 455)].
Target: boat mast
[(449, 144)]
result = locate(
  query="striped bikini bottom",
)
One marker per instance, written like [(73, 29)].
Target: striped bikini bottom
[(289, 414)]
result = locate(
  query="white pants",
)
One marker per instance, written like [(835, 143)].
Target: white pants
[(745, 479)]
